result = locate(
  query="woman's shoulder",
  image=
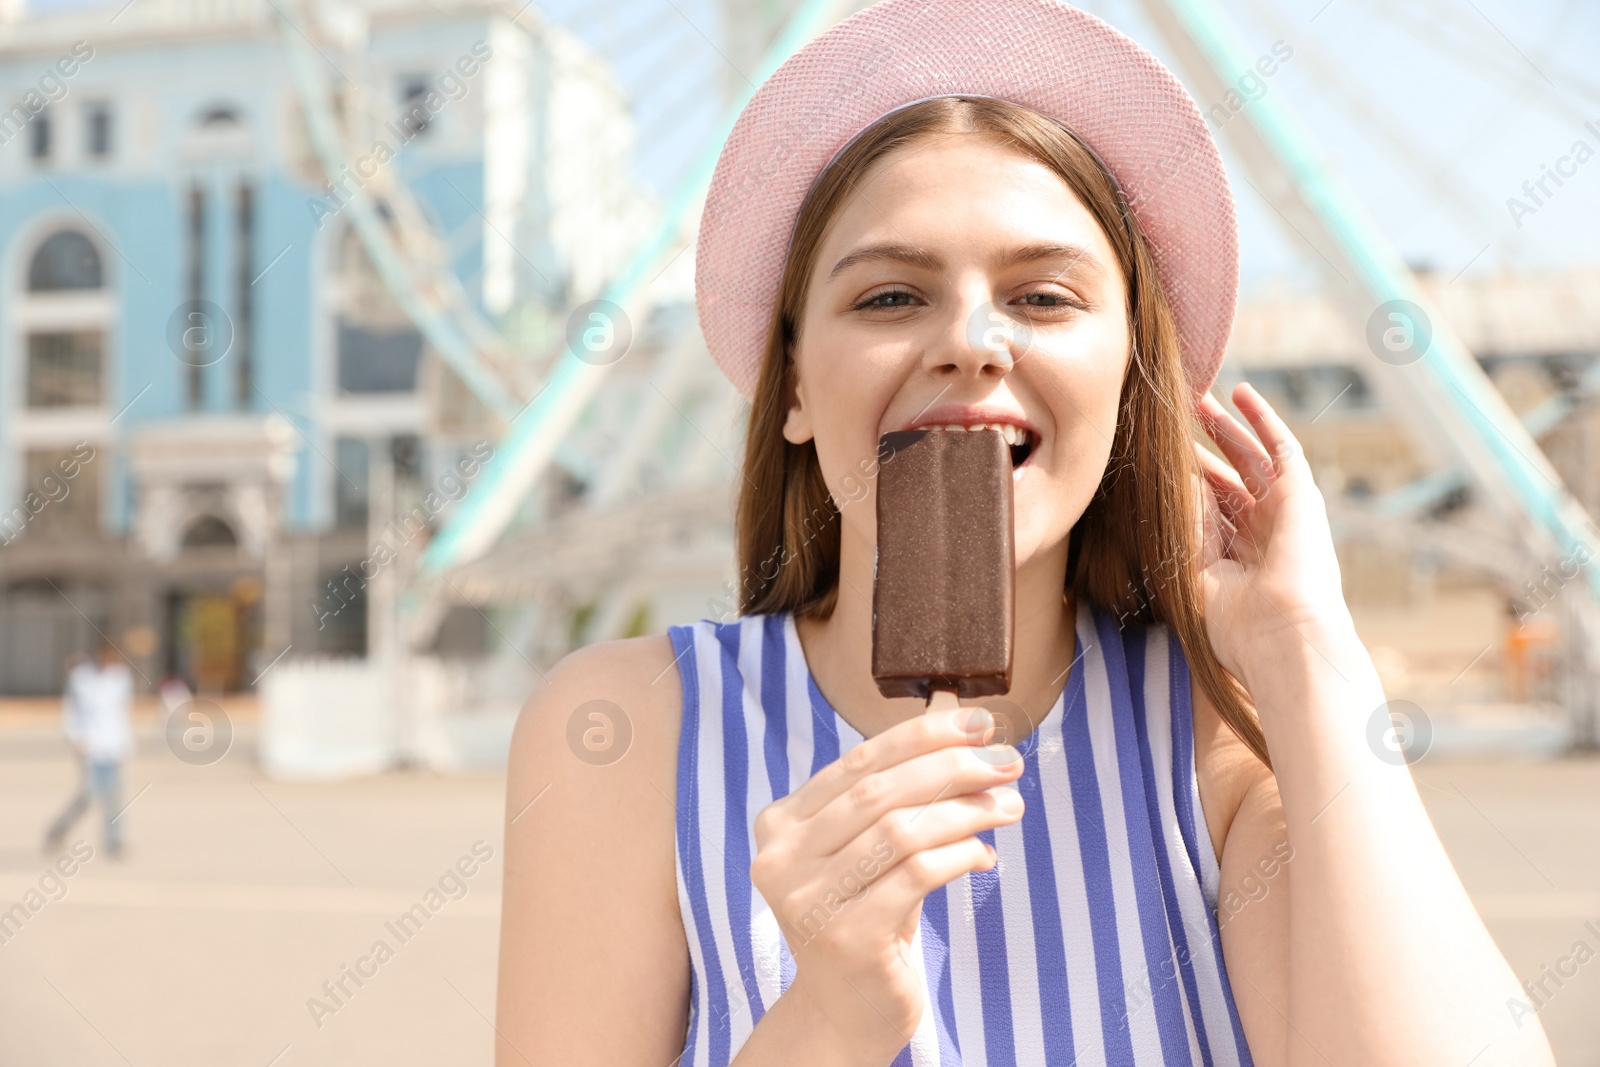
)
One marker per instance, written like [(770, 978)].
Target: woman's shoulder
[(635, 685), (594, 754), (626, 663), (603, 703), (589, 830)]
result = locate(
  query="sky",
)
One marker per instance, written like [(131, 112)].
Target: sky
[(1435, 112)]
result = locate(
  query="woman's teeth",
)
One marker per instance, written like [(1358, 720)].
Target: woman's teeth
[(1014, 435), (1018, 439)]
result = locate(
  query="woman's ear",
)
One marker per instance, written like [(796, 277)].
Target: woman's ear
[(797, 418)]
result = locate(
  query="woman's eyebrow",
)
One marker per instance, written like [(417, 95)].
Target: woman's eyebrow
[(909, 254), (921, 257), (1073, 254)]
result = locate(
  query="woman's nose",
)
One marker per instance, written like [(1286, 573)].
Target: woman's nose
[(977, 339)]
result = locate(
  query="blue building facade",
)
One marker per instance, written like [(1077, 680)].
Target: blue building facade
[(204, 384)]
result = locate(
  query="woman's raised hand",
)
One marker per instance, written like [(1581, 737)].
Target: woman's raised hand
[(845, 861), (1270, 569)]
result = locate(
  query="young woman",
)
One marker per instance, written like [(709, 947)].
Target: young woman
[(725, 846)]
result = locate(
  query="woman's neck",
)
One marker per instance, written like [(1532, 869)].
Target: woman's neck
[(838, 649)]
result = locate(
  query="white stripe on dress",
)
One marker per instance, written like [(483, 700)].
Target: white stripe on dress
[(964, 986), (1022, 959), (925, 1038), (758, 794), (713, 823)]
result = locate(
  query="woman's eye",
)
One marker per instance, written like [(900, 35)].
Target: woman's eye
[(894, 298), (1049, 300)]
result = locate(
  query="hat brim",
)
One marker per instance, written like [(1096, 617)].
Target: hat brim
[(1043, 54)]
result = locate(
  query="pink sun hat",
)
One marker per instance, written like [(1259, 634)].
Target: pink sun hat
[(1064, 63)]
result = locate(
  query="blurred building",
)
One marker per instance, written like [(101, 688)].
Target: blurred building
[(209, 400), (1431, 573)]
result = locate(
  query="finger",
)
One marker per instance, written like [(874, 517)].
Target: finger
[(1231, 506), (1231, 495), (1234, 506), (911, 786), (1214, 530), (1218, 543), (1280, 442), (916, 736), (905, 885), (1251, 464), (904, 831), (870, 857), (1240, 447)]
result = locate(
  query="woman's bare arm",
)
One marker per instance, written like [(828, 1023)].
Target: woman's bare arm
[(594, 965), (1388, 963), (1244, 818)]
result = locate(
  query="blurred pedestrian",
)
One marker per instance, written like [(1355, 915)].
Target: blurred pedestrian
[(174, 693), (95, 709)]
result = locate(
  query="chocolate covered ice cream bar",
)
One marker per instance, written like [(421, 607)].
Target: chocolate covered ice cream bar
[(943, 598)]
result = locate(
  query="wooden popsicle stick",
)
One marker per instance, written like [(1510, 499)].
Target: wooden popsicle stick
[(943, 700)]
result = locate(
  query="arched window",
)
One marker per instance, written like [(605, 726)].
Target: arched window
[(64, 314), (219, 115), (66, 260), (217, 130), (208, 531)]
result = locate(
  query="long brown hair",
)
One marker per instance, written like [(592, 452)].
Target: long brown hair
[(1133, 553)]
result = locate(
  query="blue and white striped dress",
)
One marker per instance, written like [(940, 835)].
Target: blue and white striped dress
[(1092, 942)]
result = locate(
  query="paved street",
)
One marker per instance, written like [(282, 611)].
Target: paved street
[(239, 897)]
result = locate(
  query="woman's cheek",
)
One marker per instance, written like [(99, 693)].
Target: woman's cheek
[(1056, 487)]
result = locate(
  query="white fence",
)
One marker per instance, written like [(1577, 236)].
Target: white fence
[(324, 719)]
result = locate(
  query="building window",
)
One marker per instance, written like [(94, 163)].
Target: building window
[(65, 369), (378, 361), (352, 458), (341, 609), (244, 314), (39, 145), (66, 260), (414, 115), (97, 130), (379, 349), (208, 531), (40, 628), (219, 115), (218, 132), (63, 357), (72, 506), (195, 255)]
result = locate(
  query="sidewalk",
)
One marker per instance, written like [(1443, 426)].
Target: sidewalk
[(240, 897), (237, 899)]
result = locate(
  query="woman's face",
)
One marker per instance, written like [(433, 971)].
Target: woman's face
[(963, 283)]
